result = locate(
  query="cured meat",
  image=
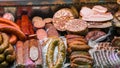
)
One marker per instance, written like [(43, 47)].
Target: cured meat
[(13, 39), (41, 34), (85, 11), (39, 24), (38, 63), (61, 17), (95, 14), (76, 26), (27, 61), (31, 29), (19, 54), (25, 25), (18, 22), (13, 30), (8, 22), (99, 8), (47, 20), (36, 19), (51, 30), (94, 35), (33, 49), (99, 24)]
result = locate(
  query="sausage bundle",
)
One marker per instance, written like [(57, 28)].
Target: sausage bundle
[(78, 48), (7, 52)]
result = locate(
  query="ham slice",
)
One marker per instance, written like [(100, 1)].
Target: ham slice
[(100, 9), (85, 11)]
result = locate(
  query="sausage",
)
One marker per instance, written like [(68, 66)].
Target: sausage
[(31, 28), (47, 20), (94, 35), (51, 30), (27, 61), (76, 26), (38, 63), (33, 49), (76, 43), (19, 54), (25, 25), (80, 53), (50, 52), (73, 65), (79, 47), (13, 30), (39, 24), (80, 56), (76, 39), (9, 50), (41, 34), (1, 38), (13, 39), (4, 45), (18, 22), (71, 36), (81, 61), (6, 21), (10, 58)]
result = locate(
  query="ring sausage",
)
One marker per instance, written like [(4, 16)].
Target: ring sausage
[(61, 53)]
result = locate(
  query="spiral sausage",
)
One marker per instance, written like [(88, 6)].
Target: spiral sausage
[(61, 53)]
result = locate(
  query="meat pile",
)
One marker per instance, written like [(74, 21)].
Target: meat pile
[(105, 55), (97, 17), (78, 49)]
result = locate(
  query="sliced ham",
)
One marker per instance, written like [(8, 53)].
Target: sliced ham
[(100, 9), (85, 11)]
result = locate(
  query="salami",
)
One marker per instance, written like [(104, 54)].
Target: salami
[(76, 26), (61, 17), (41, 34), (51, 30)]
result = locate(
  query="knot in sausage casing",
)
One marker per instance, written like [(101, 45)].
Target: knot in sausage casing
[(50, 53)]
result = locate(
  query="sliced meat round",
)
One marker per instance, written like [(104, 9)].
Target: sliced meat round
[(76, 25), (61, 17), (39, 24), (48, 20), (41, 34)]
